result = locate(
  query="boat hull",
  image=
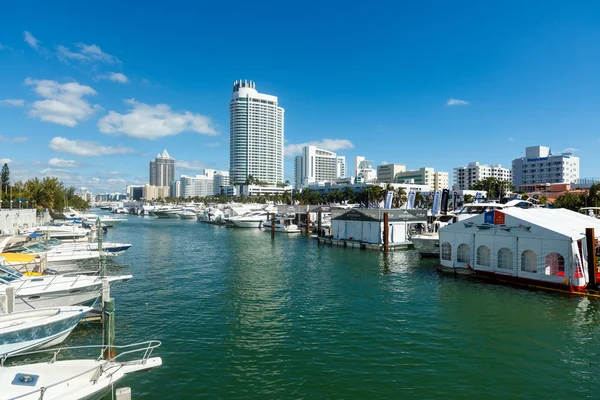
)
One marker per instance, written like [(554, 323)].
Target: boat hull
[(246, 224), (426, 246)]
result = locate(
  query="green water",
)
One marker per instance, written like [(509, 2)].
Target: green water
[(244, 317)]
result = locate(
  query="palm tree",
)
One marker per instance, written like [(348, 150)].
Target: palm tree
[(400, 197)]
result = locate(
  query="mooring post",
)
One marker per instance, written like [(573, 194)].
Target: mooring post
[(308, 224), (101, 262), (319, 223), (108, 324), (386, 229), (591, 251), (273, 226), (10, 299)]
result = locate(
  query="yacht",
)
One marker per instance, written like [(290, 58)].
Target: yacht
[(32, 292), (187, 214), (251, 220), (167, 212), (111, 248), (284, 225), (37, 329), (61, 260)]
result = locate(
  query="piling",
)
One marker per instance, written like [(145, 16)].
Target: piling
[(273, 226), (101, 258), (108, 325), (10, 299), (386, 232), (591, 253), (308, 224), (319, 223)]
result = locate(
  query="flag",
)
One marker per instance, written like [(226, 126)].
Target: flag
[(411, 200), (388, 199), (435, 208), (445, 199)]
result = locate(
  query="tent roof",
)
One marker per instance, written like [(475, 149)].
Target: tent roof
[(565, 222)]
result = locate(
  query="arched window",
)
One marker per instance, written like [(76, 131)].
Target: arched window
[(529, 261), (505, 258), (446, 251), (555, 264), (483, 256), (463, 253)]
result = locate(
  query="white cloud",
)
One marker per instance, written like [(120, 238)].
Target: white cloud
[(325, 144), (85, 148), (61, 162), (384, 162), (193, 165), (145, 121), (18, 139), (115, 77), (569, 150), (64, 103), (6, 161), (31, 40), (13, 102), (87, 53), (456, 102)]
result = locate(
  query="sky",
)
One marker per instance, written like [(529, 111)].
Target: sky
[(90, 92)]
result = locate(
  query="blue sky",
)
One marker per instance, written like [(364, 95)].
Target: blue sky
[(90, 92)]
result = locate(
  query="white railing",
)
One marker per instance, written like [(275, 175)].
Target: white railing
[(146, 347)]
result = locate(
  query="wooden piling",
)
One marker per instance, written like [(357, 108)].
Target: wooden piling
[(108, 327), (386, 232), (10, 299), (591, 253), (319, 223), (273, 226), (308, 224)]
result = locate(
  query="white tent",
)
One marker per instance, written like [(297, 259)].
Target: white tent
[(543, 245)]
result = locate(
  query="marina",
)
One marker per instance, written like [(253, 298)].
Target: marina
[(307, 320)]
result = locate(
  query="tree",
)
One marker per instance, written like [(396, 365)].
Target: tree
[(493, 186), (400, 197), (419, 198), (569, 201), (467, 198), (5, 177)]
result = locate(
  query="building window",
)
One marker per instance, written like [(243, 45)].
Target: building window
[(505, 258), (529, 261), (483, 256), (463, 253), (446, 251), (555, 264)]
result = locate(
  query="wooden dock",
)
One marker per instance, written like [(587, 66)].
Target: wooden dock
[(361, 245)]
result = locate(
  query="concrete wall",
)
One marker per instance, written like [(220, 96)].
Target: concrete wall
[(12, 220)]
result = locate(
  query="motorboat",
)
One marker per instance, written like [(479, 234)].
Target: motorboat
[(167, 212), (284, 225), (251, 220), (60, 259), (32, 292), (57, 379), (111, 248), (187, 214), (37, 329), (62, 232), (105, 220)]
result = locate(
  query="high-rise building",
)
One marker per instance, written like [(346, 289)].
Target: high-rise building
[(298, 177), (196, 186), (357, 161), (220, 180), (342, 168), (318, 165), (162, 170), (256, 135), (387, 173), (364, 170), (175, 189), (541, 166), (465, 177)]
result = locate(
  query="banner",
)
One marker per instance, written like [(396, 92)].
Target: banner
[(435, 208), (445, 200), (454, 200), (388, 199), (411, 200)]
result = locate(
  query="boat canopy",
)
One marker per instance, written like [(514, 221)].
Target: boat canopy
[(18, 257)]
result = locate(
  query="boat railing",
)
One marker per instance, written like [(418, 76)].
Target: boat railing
[(146, 347)]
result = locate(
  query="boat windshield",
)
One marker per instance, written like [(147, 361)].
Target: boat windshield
[(54, 242), (8, 274)]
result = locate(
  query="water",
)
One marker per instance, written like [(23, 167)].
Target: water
[(244, 317)]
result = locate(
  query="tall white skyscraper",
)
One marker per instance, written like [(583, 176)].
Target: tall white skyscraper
[(162, 170), (357, 161), (256, 135)]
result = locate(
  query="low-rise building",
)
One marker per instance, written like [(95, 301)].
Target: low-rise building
[(387, 173), (434, 180), (152, 192), (541, 166), (465, 177)]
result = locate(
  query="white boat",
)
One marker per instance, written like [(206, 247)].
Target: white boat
[(167, 212), (60, 259), (187, 214), (37, 329), (105, 220), (111, 248), (74, 379), (62, 232), (32, 292), (251, 220), (284, 225)]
